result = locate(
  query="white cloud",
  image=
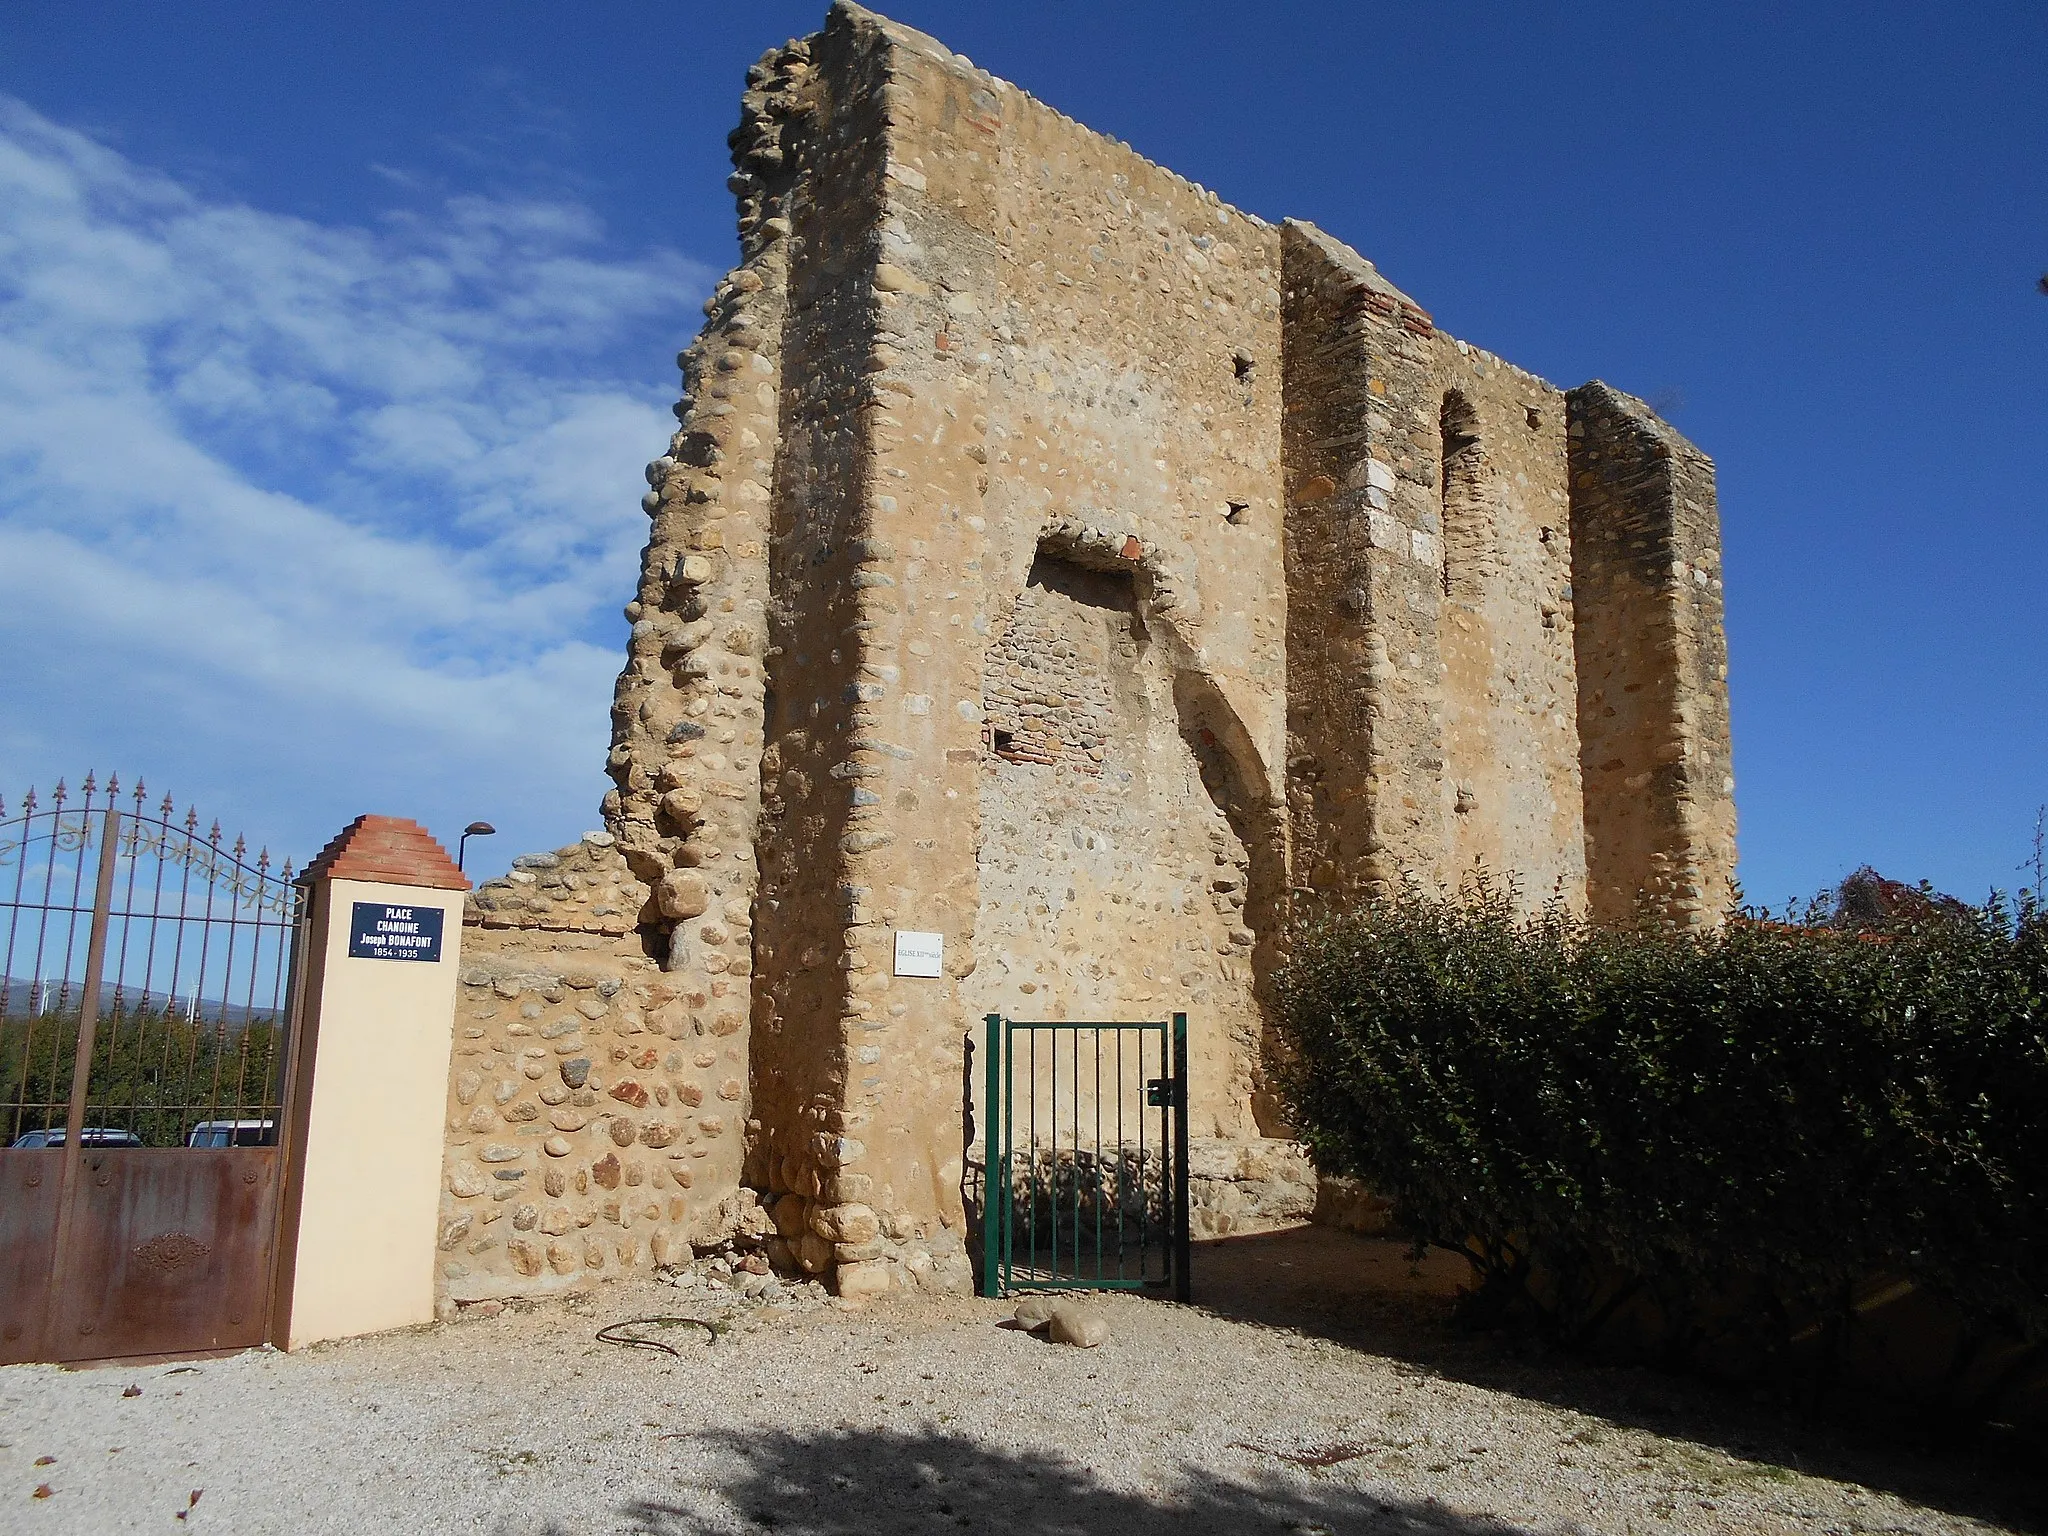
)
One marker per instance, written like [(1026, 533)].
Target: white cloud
[(313, 517)]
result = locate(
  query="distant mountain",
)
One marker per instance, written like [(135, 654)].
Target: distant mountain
[(20, 1003)]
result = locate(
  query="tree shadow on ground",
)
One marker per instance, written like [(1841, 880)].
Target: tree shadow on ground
[(874, 1482), (1366, 1294)]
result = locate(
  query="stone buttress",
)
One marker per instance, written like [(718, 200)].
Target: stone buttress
[(1652, 665)]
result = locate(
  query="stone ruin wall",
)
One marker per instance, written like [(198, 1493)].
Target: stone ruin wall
[(1433, 695), (657, 1133), (1053, 557), (968, 412), (1511, 798), (1652, 664), (1119, 362), (594, 1124)]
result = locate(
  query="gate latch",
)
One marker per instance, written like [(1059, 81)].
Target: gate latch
[(1163, 1093)]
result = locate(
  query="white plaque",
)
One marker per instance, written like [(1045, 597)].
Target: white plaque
[(920, 954)]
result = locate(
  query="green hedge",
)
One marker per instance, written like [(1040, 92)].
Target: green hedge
[(1726, 1132)]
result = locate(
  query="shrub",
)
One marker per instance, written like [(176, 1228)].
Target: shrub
[(1718, 1135)]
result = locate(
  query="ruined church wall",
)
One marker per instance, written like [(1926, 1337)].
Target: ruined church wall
[(1433, 700), (1510, 787), (965, 399), (1053, 558), (1364, 578), (1088, 351), (1652, 665)]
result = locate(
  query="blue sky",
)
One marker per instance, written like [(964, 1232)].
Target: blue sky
[(332, 340)]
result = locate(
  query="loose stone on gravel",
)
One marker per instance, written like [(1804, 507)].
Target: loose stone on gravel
[(1082, 1327)]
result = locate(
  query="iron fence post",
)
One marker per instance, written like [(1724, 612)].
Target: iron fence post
[(284, 1230), (1183, 1288), (993, 1176), (69, 1192), (95, 963)]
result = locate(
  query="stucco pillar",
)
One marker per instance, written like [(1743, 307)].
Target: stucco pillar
[(370, 1083)]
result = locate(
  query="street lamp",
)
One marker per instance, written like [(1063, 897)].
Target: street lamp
[(474, 829)]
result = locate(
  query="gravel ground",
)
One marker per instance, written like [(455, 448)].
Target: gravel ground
[(1315, 1390)]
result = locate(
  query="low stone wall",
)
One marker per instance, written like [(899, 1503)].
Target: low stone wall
[(1348, 1204), (810, 1239), (596, 1104), (1236, 1187)]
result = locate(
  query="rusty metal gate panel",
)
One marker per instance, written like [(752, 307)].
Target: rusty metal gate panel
[(30, 1182), (147, 986), (169, 1251)]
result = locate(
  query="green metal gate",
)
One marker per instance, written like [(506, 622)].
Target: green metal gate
[(1085, 1163)]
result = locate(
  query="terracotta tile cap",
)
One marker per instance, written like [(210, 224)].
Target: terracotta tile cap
[(389, 850)]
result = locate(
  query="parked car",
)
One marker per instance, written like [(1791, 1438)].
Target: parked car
[(90, 1136), (233, 1133)]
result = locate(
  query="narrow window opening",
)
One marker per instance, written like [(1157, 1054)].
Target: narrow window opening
[(1003, 741), (1242, 361)]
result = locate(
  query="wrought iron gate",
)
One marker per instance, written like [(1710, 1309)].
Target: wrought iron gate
[(1085, 1168), (146, 1011)]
